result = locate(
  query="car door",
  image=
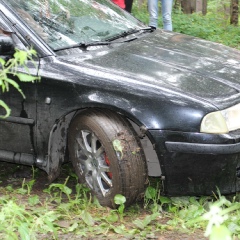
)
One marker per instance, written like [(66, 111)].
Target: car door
[(18, 130)]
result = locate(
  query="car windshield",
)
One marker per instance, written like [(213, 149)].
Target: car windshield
[(65, 23)]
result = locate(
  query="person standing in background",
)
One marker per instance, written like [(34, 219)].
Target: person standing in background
[(166, 14), (125, 4), (128, 5), (120, 3)]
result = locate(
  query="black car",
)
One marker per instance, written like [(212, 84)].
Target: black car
[(121, 101)]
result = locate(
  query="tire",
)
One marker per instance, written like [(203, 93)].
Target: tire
[(107, 156)]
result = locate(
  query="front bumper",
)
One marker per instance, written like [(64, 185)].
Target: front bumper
[(200, 148), (198, 164)]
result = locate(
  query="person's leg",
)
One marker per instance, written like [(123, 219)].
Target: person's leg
[(167, 14), (153, 13), (128, 4)]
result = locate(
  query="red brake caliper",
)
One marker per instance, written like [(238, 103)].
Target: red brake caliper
[(108, 163)]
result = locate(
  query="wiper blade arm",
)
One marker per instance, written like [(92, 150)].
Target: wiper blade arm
[(109, 40), (83, 45), (86, 45), (129, 32)]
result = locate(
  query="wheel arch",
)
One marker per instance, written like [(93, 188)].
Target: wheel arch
[(57, 144)]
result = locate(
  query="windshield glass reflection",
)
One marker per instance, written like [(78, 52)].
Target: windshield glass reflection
[(62, 23)]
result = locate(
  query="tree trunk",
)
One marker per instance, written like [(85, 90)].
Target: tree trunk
[(188, 6), (234, 12), (198, 5), (204, 7)]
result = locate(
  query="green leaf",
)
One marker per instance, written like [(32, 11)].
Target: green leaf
[(164, 200), (120, 229), (119, 199), (33, 200), (6, 108), (9, 188), (117, 145), (87, 218), (73, 227), (21, 56), (26, 77), (21, 191), (61, 187), (220, 233), (67, 190), (13, 83), (49, 226), (24, 231), (151, 193), (2, 62), (146, 221), (139, 223), (113, 217), (121, 208), (4, 86)]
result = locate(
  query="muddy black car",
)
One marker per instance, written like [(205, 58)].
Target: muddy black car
[(121, 101)]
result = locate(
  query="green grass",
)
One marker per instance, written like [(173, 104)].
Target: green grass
[(67, 209)]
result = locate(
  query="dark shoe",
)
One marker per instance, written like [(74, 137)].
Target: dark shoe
[(153, 28)]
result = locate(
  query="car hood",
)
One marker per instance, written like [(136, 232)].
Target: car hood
[(184, 64)]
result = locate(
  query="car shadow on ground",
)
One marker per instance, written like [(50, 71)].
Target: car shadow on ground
[(14, 175)]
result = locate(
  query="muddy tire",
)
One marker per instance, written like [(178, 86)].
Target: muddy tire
[(107, 156)]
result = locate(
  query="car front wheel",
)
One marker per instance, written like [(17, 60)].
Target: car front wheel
[(107, 156)]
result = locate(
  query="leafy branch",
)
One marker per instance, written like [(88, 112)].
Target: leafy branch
[(9, 69)]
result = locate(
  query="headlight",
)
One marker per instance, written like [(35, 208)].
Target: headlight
[(222, 121)]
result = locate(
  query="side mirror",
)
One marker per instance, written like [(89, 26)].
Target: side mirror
[(6, 45)]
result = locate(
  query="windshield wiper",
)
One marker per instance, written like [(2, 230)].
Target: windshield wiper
[(129, 32), (83, 45), (97, 43), (108, 41)]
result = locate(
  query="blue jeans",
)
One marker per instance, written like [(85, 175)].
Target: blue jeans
[(166, 13)]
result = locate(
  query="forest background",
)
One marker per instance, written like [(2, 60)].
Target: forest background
[(214, 20)]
